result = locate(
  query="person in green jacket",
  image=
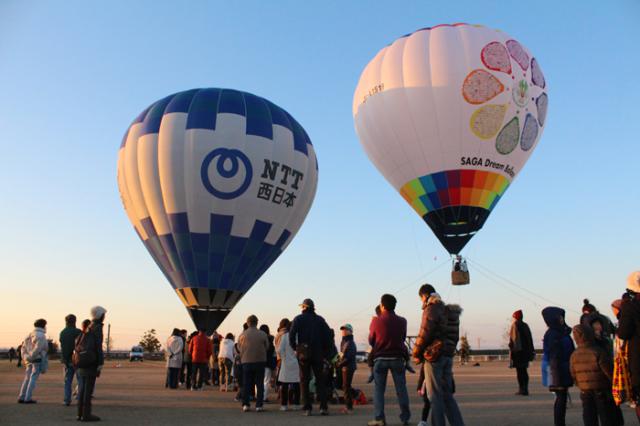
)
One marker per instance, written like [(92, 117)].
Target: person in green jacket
[(67, 342)]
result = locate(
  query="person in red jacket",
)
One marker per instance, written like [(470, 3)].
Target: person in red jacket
[(201, 349)]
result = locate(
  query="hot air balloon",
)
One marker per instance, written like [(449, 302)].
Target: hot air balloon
[(216, 183), (449, 115)]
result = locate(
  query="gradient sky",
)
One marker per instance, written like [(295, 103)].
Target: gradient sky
[(74, 74)]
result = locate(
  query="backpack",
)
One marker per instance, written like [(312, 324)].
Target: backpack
[(83, 354)]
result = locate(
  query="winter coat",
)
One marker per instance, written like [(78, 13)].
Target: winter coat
[(629, 330), (521, 344), (92, 342), (311, 329), (187, 351), (271, 354), (289, 368), (387, 334), (68, 338), (201, 348), (439, 322), (34, 347), (348, 353), (557, 350), (174, 352), (253, 345), (591, 367), (226, 349)]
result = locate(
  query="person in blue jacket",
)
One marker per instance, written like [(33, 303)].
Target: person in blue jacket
[(556, 373)]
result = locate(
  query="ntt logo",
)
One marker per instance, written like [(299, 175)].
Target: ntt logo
[(226, 167)]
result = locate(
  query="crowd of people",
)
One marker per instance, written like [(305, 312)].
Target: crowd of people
[(304, 365)]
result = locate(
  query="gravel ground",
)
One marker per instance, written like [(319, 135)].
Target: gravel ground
[(133, 394)]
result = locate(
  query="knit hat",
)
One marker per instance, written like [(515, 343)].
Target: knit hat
[(587, 308), (518, 315), (97, 312), (347, 327), (633, 282)]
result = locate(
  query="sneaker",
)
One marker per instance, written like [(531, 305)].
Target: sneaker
[(306, 413), (21, 401), (284, 408), (422, 423), (377, 423), (90, 418), (346, 411), (324, 412), (259, 409), (297, 408), (246, 408), (31, 401), (66, 404), (370, 379)]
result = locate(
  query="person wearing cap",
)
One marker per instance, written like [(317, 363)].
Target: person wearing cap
[(629, 330), (310, 338), (387, 334), (34, 356), (521, 351), (90, 342), (346, 365), (68, 338)]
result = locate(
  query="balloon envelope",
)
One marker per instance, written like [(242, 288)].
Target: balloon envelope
[(449, 115), (216, 183)]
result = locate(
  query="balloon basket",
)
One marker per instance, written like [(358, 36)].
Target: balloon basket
[(460, 277)]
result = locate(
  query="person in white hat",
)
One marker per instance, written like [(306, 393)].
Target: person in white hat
[(347, 365), (629, 330)]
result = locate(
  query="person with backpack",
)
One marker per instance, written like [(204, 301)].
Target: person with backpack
[(310, 338), (225, 363), (387, 334), (592, 371), (88, 358), (288, 368), (34, 356), (435, 348), (68, 338), (346, 365), (521, 351), (174, 353), (557, 350)]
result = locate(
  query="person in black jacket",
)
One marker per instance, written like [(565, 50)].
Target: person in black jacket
[(521, 351), (91, 343), (629, 330), (347, 365), (310, 338)]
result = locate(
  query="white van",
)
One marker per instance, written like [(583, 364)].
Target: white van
[(136, 354)]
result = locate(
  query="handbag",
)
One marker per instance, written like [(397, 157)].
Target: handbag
[(621, 388), (434, 350)]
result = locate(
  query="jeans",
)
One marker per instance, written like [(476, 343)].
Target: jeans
[(253, 376), (347, 379), (69, 372), (560, 408), (598, 404), (31, 374), (317, 367), (85, 392), (523, 379), (381, 367), (267, 381), (438, 379), (284, 393), (225, 365), (198, 374)]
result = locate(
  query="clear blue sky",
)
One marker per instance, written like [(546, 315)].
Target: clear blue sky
[(75, 73)]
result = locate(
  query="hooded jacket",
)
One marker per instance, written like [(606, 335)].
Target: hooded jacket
[(629, 330), (591, 367), (557, 350)]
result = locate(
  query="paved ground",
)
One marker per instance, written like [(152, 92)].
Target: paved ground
[(134, 394)]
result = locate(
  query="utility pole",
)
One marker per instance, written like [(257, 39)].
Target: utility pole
[(478, 343), (108, 339)]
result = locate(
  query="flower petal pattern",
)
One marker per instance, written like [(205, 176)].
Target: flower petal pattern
[(536, 74), (541, 104), (518, 54), (508, 137), (495, 57), (529, 132), (480, 86), (486, 121)]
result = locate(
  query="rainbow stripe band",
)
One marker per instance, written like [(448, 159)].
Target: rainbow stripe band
[(450, 188)]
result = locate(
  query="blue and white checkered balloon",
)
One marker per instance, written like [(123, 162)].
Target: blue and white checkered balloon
[(216, 183)]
